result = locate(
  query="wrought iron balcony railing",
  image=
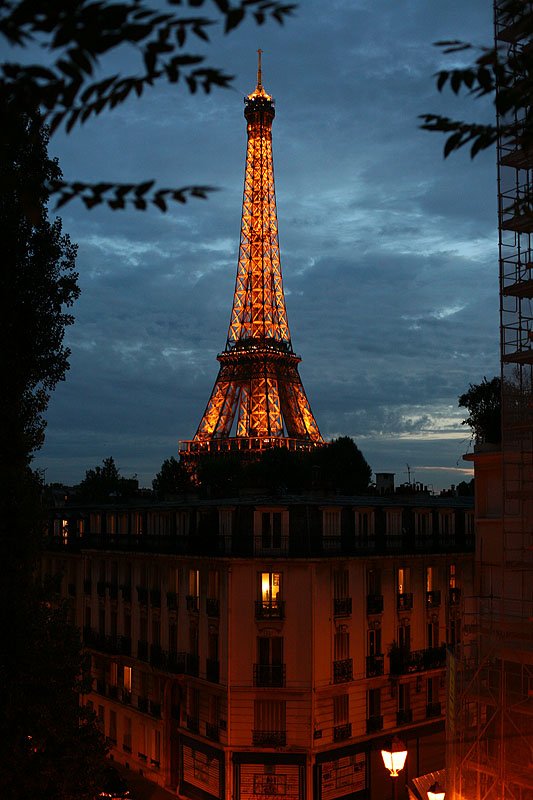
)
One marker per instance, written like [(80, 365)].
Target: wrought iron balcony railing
[(212, 607), (404, 601), (374, 604), (374, 666), (404, 661), (193, 724), (155, 598), (374, 723), (172, 601), (142, 650), (212, 670), (343, 670), (193, 602), (341, 732), (176, 662), (212, 731), (269, 609), (342, 606), (433, 710), (126, 593), (269, 674), (142, 704), (433, 598), (404, 716), (155, 709), (126, 697), (269, 738)]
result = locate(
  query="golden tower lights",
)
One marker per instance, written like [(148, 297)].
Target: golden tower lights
[(258, 400)]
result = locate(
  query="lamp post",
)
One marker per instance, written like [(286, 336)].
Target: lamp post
[(436, 792), (394, 756)]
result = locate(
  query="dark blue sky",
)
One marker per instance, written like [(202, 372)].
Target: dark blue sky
[(389, 253)]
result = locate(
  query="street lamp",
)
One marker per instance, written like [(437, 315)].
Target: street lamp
[(436, 792), (394, 759)]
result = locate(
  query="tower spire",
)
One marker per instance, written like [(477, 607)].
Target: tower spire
[(258, 400)]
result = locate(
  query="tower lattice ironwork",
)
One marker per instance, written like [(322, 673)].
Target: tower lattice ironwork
[(258, 400)]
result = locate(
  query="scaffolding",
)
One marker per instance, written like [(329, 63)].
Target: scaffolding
[(490, 705)]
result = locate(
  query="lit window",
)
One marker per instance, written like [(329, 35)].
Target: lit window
[(451, 576), (270, 588), (127, 678)]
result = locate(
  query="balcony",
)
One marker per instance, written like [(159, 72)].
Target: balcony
[(126, 697), (87, 586), (126, 593), (454, 597), (342, 606), (341, 732), (142, 704), (172, 601), (374, 723), (211, 732), (212, 607), (193, 724), (270, 609), (269, 674), (100, 588), (433, 710), (112, 692), (404, 601), (374, 666), (343, 670), (142, 650), (404, 716), (176, 662), (374, 604), (269, 738), (212, 670), (405, 661), (193, 602), (157, 656), (433, 599), (192, 664), (155, 709), (124, 645), (112, 588), (142, 595), (100, 686)]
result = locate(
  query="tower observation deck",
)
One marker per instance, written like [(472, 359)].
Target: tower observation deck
[(258, 400)]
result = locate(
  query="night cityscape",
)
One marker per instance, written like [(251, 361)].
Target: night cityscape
[(305, 571)]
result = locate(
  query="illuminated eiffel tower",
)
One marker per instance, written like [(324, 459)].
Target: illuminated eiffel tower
[(258, 400)]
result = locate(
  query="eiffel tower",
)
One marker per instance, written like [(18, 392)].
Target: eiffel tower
[(258, 400)]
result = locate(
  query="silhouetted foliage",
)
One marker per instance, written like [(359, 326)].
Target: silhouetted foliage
[(75, 38), (338, 466), (172, 478), (493, 66), (484, 406), (466, 488), (105, 484), (37, 282)]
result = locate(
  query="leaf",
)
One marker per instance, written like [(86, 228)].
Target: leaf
[(234, 17), (142, 188), (452, 143), (442, 78), (159, 202)]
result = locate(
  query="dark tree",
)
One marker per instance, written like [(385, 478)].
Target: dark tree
[(493, 67), (76, 37), (484, 405), (105, 484), (343, 466), (37, 282), (172, 479), (50, 748)]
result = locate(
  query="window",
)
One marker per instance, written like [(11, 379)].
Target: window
[(113, 726), (127, 679), (213, 584), (394, 522), (193, 597), (193, 703), (429, 579), (364, 524), (155, 753), (422, 523), (172, 637), (270, 587), (403, 580), (212, 645), (374, 642), (452, 577), (101, 621), (433, 634), (446, 524), (432, 690), (111, 523), (469, 523), (182, 523), (373, 699), (225, 521), (340, 584), (156, 631), (341, 645), (454, 632), (193, 640), (126, 735), (404, 697), (373, 581), (269, 716), (269, 670), (271, 530), (341, 713), (214, 709), (113, 673), (331, 521), (404, 637)]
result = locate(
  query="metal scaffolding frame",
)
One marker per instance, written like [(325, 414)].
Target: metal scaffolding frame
[(490, 729)]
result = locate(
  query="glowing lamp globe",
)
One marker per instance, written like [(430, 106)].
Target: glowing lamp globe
[(436, 792), (394, 756)]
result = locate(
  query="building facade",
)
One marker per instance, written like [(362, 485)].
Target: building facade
[(268, 645)]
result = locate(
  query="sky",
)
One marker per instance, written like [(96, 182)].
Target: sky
[(389, 252)]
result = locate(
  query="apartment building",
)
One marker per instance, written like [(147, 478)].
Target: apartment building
[(268, 645)]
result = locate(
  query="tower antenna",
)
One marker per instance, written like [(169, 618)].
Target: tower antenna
[(259, 71)]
